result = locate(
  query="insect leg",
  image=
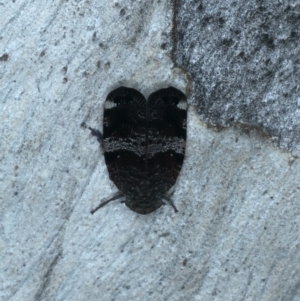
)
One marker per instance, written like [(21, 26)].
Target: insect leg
[(98, 135)]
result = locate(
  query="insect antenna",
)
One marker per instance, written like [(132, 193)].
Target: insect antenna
[(168, 200), (115, 197)]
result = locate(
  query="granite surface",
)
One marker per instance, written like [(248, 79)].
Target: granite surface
[(236, 235), (244, 59)]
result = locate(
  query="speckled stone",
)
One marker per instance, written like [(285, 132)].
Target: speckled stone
[(236, 235), (244, 59)]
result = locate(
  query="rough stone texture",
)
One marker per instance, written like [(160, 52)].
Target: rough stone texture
[(236, 236), (244, 58)]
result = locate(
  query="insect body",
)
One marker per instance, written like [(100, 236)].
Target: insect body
[(144, 145)]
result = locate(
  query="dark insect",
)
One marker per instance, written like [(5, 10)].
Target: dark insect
[(144, 145)]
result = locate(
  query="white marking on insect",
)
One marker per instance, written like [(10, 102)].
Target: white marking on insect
[(109, 104), (182, 105)]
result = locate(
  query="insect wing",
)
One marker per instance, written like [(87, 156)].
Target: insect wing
[(124, 136), (166, 137)]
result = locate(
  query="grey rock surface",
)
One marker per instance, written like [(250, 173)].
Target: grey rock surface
[(244, 59), (236, 236)]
